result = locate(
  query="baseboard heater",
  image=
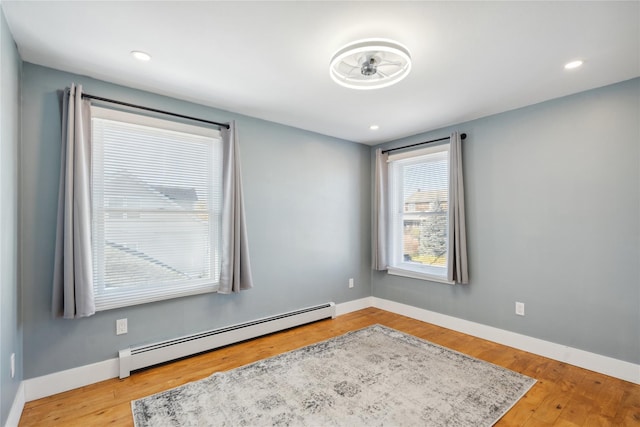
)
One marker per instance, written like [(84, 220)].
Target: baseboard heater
[(152, 354)]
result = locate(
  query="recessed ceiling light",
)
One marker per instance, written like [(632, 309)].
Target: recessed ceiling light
[(573, 64), (140, 56), (374, 127), (370, 64)]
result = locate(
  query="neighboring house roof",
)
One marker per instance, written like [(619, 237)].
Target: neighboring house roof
[(183, 196), (178, 193), (137, 267), (173, 196), (126, 265)]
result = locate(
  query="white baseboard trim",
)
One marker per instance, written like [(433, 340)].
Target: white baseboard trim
[(16, 409), (594, 362), (355, 305), (58, 382)]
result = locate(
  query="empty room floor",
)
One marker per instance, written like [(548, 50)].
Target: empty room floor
[(564, 395)]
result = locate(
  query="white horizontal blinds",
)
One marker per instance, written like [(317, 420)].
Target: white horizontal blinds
[(421, 186), (156, 209)]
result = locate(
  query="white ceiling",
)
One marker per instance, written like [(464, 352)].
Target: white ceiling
[(270, 59)]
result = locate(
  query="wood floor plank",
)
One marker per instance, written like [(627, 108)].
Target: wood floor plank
[(563, 396), (577, 409)]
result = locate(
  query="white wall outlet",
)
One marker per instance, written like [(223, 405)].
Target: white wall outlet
[(13, 365), (351, 284), (121, 326), (520, 308)]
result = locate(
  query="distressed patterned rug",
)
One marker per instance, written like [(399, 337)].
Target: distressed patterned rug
[(375, 376)]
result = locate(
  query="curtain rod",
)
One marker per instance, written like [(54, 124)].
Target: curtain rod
[(140, 107), (462, 136)]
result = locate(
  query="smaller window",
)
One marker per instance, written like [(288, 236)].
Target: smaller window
[(419, 226)]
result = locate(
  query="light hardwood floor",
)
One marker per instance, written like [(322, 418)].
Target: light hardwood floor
[(563, 396)]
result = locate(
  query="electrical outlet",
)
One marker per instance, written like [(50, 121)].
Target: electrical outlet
[(351, 284), (13, 365), (520, 308), (121, 326)]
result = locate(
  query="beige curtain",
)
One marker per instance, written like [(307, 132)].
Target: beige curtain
[(458, 271), (73, 266), (236, 267), (380, 197)]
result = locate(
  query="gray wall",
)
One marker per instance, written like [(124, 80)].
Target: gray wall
[(308, 224), (10, 326), (553, 217)]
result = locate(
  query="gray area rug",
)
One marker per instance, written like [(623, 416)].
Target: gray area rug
[(375, 376)]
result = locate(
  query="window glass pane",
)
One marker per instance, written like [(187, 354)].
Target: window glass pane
[(425, 213)]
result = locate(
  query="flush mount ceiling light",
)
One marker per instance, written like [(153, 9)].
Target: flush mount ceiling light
[(370, 64)]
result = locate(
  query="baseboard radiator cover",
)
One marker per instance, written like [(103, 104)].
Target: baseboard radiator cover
[(143, 356)]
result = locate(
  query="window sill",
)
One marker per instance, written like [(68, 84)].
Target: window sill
[(417, 275)]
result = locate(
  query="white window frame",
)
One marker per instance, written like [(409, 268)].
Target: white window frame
[(106, 297), (397, 264)]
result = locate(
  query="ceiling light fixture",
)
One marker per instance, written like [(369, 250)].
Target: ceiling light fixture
[(573, 64), (374, 127), (370, 64), (140, 56)]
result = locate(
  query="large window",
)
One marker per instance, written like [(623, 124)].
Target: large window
[(419, 213), (156, 199)]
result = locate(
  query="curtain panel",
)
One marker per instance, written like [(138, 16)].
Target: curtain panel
[(380, 217), (459, 270), (73, 270), (235, 273)]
